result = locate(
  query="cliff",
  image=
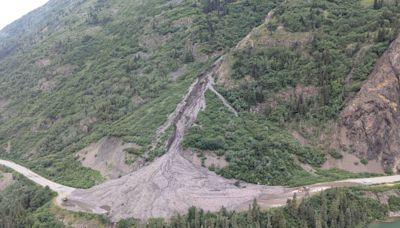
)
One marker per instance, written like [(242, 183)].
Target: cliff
[(369, 124)]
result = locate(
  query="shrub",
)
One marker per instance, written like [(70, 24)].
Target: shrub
[(394, 203), (335, 154), (364, 161), (211, 143)]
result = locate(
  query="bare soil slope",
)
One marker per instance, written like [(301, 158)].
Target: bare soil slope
[(108, 157)]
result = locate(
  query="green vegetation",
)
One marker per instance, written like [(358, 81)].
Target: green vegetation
[(24, 204), (74, 72), (333, 208), (317, 56), (335, 154), (394, 203), (322, 175), (364, 161), (134, 151), (258, 150), (344, 41), (20, 205)]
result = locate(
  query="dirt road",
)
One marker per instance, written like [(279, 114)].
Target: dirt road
[(61, 190), (193, 190)]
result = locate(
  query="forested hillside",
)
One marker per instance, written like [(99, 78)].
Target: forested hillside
[(112, 68), (290, 79), (80, 79), (75, 71)]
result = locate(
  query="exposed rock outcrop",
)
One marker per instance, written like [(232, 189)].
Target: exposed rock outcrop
[(369, 126)]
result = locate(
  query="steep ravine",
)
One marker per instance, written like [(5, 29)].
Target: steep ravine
[(369, 126)]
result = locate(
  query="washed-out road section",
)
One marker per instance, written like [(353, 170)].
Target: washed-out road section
[(267, 196)]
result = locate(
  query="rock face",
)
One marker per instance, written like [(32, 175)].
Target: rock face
[(369, 126)]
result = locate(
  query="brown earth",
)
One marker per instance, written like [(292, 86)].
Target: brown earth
[(40, 63), (6, 179), (351, 163), (210, 159), (108, 157), (369, 125), (299, 138), (45, 84)]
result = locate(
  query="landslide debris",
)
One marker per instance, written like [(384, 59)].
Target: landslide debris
[(172, 184)]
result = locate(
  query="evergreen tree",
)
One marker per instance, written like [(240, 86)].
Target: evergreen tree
[(348, 218), (278, 220)]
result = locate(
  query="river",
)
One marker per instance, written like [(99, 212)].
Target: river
[(389, 224)]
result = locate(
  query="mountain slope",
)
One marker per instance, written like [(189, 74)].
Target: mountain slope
[(290, 79), (89, 69), (194, 92)]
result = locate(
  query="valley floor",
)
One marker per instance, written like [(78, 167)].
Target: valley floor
[(267, 196)]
